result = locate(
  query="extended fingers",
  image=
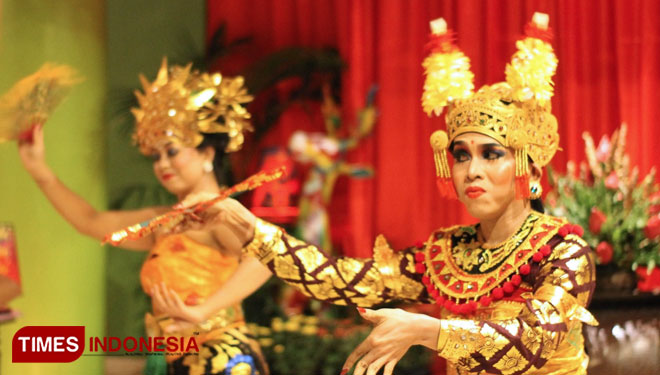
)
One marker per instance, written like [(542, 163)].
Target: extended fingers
[(361, 350), (389, 367)]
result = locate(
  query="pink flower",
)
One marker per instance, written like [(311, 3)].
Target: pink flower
[(596, 220), (612, 181), (654, 209), (603, 150), (652, 228), (604, 252)]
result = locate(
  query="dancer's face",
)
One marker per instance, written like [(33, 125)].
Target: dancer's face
[(484, 175), (179, 169)]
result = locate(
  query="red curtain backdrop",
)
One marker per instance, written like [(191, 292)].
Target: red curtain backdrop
[(609, 73)]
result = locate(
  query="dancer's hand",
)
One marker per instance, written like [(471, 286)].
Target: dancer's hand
[(166, 301), (395, 331), (225, 215), (32, 154)]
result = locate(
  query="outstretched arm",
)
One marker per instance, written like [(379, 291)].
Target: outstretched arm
[(73, 208), (388, 276)]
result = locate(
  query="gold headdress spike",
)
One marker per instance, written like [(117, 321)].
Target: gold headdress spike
[(448, 78), (530, 76), (516, 113), (181, 105)]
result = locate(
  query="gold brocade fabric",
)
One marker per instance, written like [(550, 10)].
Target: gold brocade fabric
[(195, 271), (536, 330)]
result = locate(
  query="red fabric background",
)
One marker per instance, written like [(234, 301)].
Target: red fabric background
[(609, 72)]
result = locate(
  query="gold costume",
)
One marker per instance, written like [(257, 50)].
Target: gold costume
[(194, 271), (506, 310)]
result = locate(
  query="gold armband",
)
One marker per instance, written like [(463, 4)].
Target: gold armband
[(266, 237)]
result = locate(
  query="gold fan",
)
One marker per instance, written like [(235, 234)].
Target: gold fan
[(32, 99)]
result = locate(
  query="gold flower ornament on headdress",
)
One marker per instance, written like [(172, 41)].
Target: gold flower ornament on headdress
[(181, 105), (516, 113)]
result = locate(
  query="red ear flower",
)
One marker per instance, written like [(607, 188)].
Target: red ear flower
[(596, 220), (652, 228), (604, 252)]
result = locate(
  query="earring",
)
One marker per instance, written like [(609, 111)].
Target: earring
[(208, 167), (535, 190)]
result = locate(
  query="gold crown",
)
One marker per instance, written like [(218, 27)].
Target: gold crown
[(516, 113), (182, 104)]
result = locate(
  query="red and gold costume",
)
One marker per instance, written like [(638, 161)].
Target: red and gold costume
[(506, 310), (514, 308), (194, 271)]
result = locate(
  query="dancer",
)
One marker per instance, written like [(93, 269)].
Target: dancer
[(186, 121)]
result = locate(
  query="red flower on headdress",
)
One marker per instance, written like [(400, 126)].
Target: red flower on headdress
[(612, 181), (652, 228), (604, 252), (596, 220)]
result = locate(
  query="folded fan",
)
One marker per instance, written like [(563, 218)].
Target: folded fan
[(33, 99), (174, 217)]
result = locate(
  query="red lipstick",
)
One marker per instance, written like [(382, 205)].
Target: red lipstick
[(167, 176), (474, 192)]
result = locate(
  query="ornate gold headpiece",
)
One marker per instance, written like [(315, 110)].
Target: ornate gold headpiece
[(182, 104), (516, 113)]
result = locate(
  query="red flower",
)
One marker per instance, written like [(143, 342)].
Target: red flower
[(604, 252), (648, 281), (596, 220), (652, 228), (612, 181)]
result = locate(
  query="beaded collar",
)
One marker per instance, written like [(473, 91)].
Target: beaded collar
[(460, 273)]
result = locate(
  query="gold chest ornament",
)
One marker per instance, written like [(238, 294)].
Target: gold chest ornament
[(461, 275)]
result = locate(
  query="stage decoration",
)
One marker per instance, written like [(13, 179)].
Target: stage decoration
[(182, 104), (607, 196), (173, 218), (277, 202), (327, 155), (33, 99), (10, 280), (516, 113)]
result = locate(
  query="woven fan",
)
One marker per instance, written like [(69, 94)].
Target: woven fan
[(174, 217), (33, 99)]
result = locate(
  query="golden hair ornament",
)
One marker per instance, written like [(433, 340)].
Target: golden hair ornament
[(181, 105)]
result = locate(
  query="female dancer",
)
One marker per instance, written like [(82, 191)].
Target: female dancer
[(513, 288), (186, 121)]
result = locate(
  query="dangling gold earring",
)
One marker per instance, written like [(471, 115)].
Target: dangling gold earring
[(535, 190), (208, 167)]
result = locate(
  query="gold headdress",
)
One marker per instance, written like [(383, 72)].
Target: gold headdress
[(182, 105), (516, 113)]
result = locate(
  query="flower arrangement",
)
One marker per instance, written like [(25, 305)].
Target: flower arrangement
[(304, 344), (607, 197)]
